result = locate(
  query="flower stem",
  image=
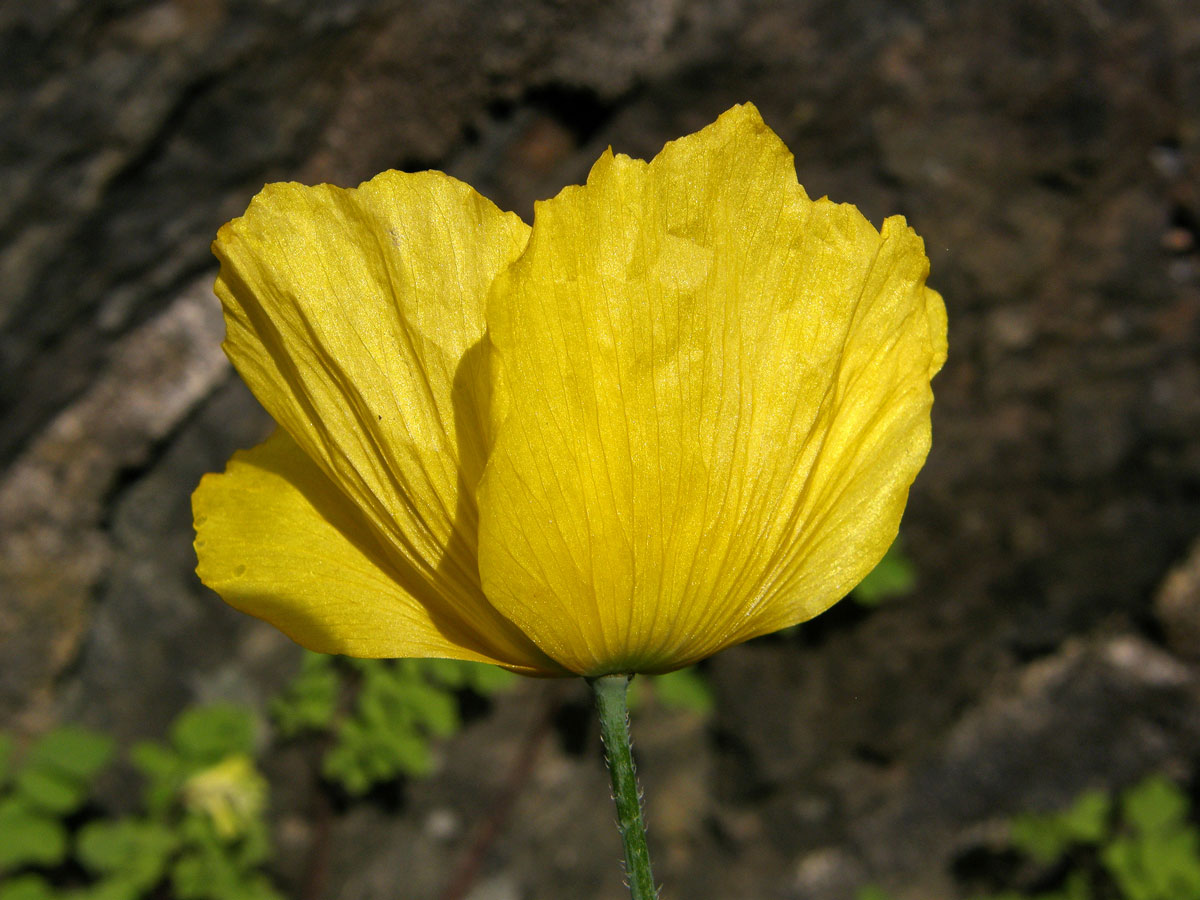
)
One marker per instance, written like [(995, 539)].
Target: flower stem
[(614, 728)]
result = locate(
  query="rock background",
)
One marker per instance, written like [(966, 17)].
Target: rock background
[(1049, 153)]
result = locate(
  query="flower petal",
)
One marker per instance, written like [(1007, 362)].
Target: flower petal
[(355, 316), (276, 539), (717, 395)]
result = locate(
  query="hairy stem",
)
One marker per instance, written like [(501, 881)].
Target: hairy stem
[(611, 703)]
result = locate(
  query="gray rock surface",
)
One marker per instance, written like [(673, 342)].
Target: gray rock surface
[(56, 499)]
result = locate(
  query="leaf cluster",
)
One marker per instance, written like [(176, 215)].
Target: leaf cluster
[(1141, 845), (381, 717), (200, 831), (199, 835), (49, 786)]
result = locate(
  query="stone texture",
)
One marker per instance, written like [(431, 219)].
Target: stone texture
[(131, 131), (56, 498), (1099, 714), (1177, 606)]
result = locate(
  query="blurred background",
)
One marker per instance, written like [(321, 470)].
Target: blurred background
[(1042, 637)]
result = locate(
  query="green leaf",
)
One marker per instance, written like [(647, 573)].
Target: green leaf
[(1086, 821), (449, 673), (1160, 866), (401, 698), (1154, 805), (1040, 837), (212, 872), (310, 702), (345, 765), (871, 892), (488, 679), (685, 689), (426, 706), (203, 876), (29, 837), (113, 888), (206, 734), (165, 771), (254, 845), (50, 791), (1123, 861), (1047, 837), (257, 887), (26, 887), (156, 761), (56, 772), (365, 755), (412, 754), (6, 754), (1173, 862), (136, 850), (401, 707), (1078, 887), (894, 576), (71, 751), (1075, 888)]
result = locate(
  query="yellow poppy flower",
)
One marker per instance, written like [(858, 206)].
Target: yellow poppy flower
[(682, 410)]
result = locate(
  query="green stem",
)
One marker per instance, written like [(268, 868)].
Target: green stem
[(614, 728)]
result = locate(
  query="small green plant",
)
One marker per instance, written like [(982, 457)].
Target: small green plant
[(51, 783), (204, 790), (382, 715), (1144, 849), (1156, 856), (201, 834), (1144, 846), (1045, 838)]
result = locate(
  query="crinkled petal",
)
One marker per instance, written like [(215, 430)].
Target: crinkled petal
[(356, 318), (716, 396), (276, 539)]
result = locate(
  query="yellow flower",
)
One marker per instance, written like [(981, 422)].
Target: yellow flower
[(232, 794), (682, 410)]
